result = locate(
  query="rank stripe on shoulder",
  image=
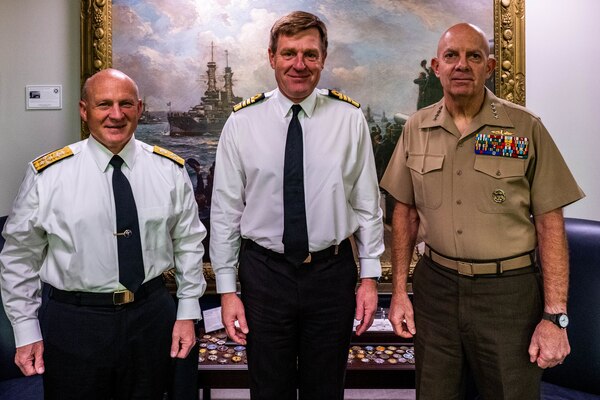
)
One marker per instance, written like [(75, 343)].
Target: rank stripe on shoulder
[(43, 162), (169, 154), (248, 102), (340, 96)]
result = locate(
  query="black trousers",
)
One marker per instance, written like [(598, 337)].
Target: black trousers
[(300, 321), (481, 324), (112, 352)]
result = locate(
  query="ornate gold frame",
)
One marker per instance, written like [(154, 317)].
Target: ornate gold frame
[(509, 51), (509, 39)]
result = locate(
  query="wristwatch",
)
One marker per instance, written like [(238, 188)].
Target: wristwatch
[(561, 320)]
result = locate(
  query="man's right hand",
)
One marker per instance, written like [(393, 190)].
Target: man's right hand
[(29, 358), (232, 310), (402, 316)]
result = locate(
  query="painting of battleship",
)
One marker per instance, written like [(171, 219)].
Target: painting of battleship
[(215, 106)]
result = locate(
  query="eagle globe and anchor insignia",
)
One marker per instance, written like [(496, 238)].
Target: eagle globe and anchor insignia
[(499, 196)]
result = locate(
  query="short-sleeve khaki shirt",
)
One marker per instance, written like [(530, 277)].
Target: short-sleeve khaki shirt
[(473, 205)]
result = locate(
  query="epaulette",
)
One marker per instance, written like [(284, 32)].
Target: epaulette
[(248, 102), (43, 162), (340, 96), (169, 154)]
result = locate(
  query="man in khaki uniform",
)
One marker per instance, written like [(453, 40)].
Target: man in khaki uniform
[(481, 182)]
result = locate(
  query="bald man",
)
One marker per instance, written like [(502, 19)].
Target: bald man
[(481, 182), (110, 327)]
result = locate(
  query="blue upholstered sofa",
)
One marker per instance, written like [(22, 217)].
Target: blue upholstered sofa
[(580, 373)]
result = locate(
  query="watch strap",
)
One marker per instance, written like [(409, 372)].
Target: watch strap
[(555, 318)]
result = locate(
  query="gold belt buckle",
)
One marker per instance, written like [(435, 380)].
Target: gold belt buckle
[(122, 297), (308, 259), (465, 268)]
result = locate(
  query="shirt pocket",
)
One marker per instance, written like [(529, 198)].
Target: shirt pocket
[(502, 183), (155, 223), (426, 172)]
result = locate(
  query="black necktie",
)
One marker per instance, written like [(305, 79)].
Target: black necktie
[(295, 233), (129, 244)]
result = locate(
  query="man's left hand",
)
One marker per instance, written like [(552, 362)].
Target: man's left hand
[(549, 345), (184, 338), (366, 304)]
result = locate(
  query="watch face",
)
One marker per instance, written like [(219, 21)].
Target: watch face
[(563, 320)]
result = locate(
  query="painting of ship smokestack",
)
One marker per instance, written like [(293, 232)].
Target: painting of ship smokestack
[(210, 114)]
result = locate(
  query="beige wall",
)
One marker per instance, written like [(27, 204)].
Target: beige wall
[(563, 55), (40, 45)]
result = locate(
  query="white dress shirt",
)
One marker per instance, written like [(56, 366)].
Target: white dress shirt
[(61, 231), (341, 189)]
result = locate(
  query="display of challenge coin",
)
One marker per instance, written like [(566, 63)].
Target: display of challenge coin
[(219, 350), (216, 350), (380, 354)]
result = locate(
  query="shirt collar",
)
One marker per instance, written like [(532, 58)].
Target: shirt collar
[(492, 113), (284, 104), (102, 155)]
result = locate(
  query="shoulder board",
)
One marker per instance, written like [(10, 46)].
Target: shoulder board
[(43, 162), (169, 154), (340, 96), (248, 102)]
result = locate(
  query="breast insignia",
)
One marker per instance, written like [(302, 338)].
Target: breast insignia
[(48, 159), (340, 96), (247, 102), (170, 155)]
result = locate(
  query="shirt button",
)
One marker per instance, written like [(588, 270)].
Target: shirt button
[(459, 231), (459, 172), (459, 145), (459, 202)]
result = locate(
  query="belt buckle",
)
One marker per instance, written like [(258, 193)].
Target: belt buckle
[(308, 259), (123, 297), (465, 268)]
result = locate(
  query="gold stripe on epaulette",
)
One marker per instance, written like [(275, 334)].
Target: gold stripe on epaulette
[(340, 96), (170, 155), (248, 102), (46, 160)]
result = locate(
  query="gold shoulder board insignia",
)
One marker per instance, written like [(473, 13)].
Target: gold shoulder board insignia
[(170, 155), (48, 159), (340, 96), (248, 102)]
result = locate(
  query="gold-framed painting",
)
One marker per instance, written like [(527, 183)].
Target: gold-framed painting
[(186, 54)]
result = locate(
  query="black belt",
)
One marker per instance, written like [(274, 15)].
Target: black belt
[(107, 299), (488, 267), (314, 256)]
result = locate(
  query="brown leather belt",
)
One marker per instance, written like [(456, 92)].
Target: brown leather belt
[(472, 268)]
